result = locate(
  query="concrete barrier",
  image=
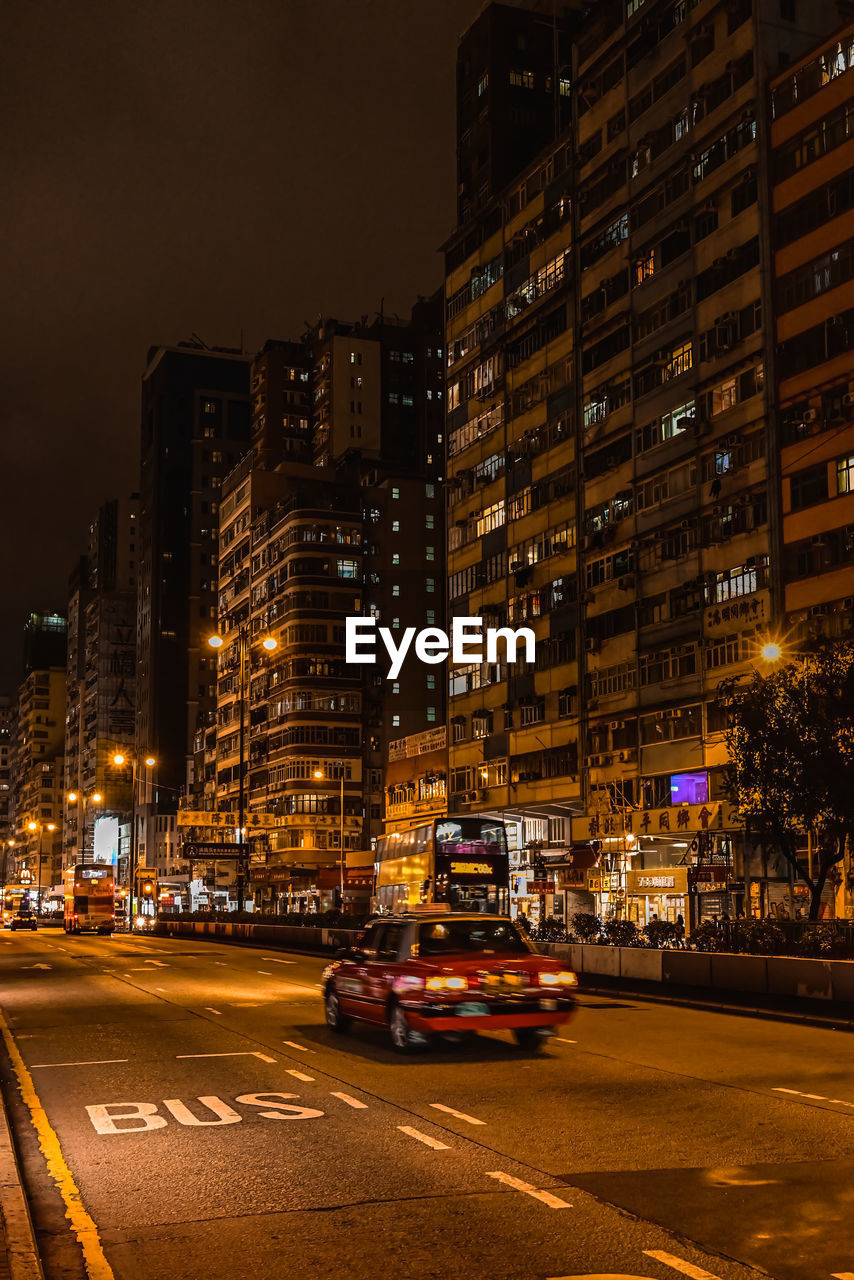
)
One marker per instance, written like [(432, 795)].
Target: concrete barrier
[(686, 968), (789, 976), (643, 965)]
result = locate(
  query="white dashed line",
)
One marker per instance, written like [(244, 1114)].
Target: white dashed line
[(276, 960), (843, 1275), (546, 1197), (561, 1040), (293, 1045), (423, 1137), (351, 1102), (814, 1097), (460, 1115), (266, 973), (91, 1062), (240, 1053), (679, 1264), (300, 1075), (159, 988), (216, 1011)]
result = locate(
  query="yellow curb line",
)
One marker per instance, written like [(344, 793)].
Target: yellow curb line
[(97, 1266)]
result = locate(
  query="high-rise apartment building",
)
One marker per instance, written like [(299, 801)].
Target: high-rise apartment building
[(101, 684), (304, 545), (195, 428), (38, 758), (610, 388), (812, 167)]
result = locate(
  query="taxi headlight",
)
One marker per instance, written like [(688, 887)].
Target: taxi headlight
[(562, 979), (450, 983)]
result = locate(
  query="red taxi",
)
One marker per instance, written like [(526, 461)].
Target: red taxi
[(428, 974)]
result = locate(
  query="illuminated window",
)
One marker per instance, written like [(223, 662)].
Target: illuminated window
[(680, 361), (845, 474)]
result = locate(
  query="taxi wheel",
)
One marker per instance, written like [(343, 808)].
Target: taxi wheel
[(403, 1037), (529, 1038), (335, 1019)]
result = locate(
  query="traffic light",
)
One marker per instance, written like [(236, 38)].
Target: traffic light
[(147, 887)]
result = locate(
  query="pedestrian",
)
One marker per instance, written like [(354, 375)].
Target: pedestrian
[(680, 930)]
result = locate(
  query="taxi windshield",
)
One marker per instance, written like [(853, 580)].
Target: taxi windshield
[(448, 937)]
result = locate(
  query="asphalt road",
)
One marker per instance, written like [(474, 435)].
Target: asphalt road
[(650, 1141)]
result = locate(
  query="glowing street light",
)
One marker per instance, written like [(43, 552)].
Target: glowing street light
[(771, 652), (118, 758)]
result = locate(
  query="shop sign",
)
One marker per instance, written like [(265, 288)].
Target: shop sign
[(471, 868), (717, 815), (541, 886), (573, 878), (735, 886), (224, 820), (744, 611), (656, 880), (597, 883)]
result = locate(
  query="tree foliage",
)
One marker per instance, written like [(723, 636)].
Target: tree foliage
[(790, 738)]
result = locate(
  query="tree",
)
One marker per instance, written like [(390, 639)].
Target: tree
[(790, 737)]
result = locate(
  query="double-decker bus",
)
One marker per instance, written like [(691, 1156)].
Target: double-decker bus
[(459, 861), (16, 897), (90, 898)]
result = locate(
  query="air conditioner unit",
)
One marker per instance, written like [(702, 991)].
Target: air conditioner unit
[(627, 756), (848, 399), (516, 565), (685, 524), (591, 644), (810, 415), (615, 724)]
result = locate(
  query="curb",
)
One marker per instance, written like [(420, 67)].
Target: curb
[(16, 1228)]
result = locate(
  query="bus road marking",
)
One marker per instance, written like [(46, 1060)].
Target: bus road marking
[(351, 1102), (461, 1115), (240, 1053), (83, 1226), (679, 1264), (90, 1062), (293, 1045), (554, 1202), (300, 1075), (423, 1137)]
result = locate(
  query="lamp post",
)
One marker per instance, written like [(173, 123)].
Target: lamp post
[(319, 774), (120, 759), (216, 642), (84, 801), (41, 828)]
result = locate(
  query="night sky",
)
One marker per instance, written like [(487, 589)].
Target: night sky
[(213, 166)]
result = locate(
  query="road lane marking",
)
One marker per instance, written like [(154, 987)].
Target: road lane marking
[(209, 1010), (679, 1264), (90, 1062), (159, 988), (461, 1115), (554, 1202), (266, 973), (160, 964), (423, 1137), (814, 1097), (240, 1053), (276, 960), (843, 1275), (221, 962), (351, 1102), (244, 1004), (293, 1045), (97, 1266), (561, 1040), (300, 1075)]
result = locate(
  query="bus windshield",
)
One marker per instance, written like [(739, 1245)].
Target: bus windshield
[(449, 937)]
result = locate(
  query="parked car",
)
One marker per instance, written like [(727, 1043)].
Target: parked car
[(443, 973)]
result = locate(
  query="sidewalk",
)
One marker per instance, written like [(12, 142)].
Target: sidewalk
[(19, 1259)]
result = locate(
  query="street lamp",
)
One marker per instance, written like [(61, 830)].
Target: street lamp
[(84, 802), (120, 759), (269, 643), (320, 775), (40, 855)]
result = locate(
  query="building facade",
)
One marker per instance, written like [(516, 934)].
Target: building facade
[(610, 387), (195, 428)]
